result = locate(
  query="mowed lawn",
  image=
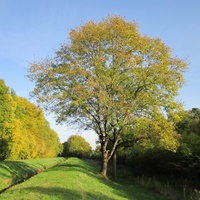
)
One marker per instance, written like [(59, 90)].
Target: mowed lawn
[(76, 179)]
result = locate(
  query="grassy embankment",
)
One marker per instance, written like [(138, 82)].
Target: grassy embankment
[(77, 179), (13, 172)]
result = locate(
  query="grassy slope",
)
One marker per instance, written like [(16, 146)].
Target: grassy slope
[(76, 179), (12, 172)]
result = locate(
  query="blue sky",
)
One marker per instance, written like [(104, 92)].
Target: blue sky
[(33, 29)]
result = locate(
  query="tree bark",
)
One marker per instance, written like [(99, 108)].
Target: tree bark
[(104, 165)]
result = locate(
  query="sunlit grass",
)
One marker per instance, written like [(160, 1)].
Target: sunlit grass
[(76, 179)]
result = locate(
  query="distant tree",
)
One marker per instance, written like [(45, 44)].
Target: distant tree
[(108, 77), (77, 146)]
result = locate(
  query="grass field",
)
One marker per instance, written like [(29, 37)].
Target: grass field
[(76, 179)]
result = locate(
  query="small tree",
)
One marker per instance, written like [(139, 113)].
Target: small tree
[(108, 77), (76, 146)]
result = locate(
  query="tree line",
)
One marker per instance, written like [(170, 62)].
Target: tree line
[(184, 162), (24, 131)]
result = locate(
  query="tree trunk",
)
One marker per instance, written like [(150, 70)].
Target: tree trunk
[(104, 167), (106, 156)]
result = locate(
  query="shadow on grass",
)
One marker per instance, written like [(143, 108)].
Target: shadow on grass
[(15, 172), (74, 167), (14, 167), (63, 194)]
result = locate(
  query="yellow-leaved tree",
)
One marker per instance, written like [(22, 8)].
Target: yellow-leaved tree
[(106, 78)]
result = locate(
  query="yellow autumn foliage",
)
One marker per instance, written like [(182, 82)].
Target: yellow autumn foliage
[(24, 131)]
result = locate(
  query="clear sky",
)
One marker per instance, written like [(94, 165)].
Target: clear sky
[(33, 29)]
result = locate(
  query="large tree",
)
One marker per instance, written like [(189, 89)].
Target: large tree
[(106, 78)]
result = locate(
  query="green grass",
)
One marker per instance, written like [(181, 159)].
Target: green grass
[(12, 172), (77, 179)]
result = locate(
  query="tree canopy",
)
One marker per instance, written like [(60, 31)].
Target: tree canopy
[(106, 78)]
